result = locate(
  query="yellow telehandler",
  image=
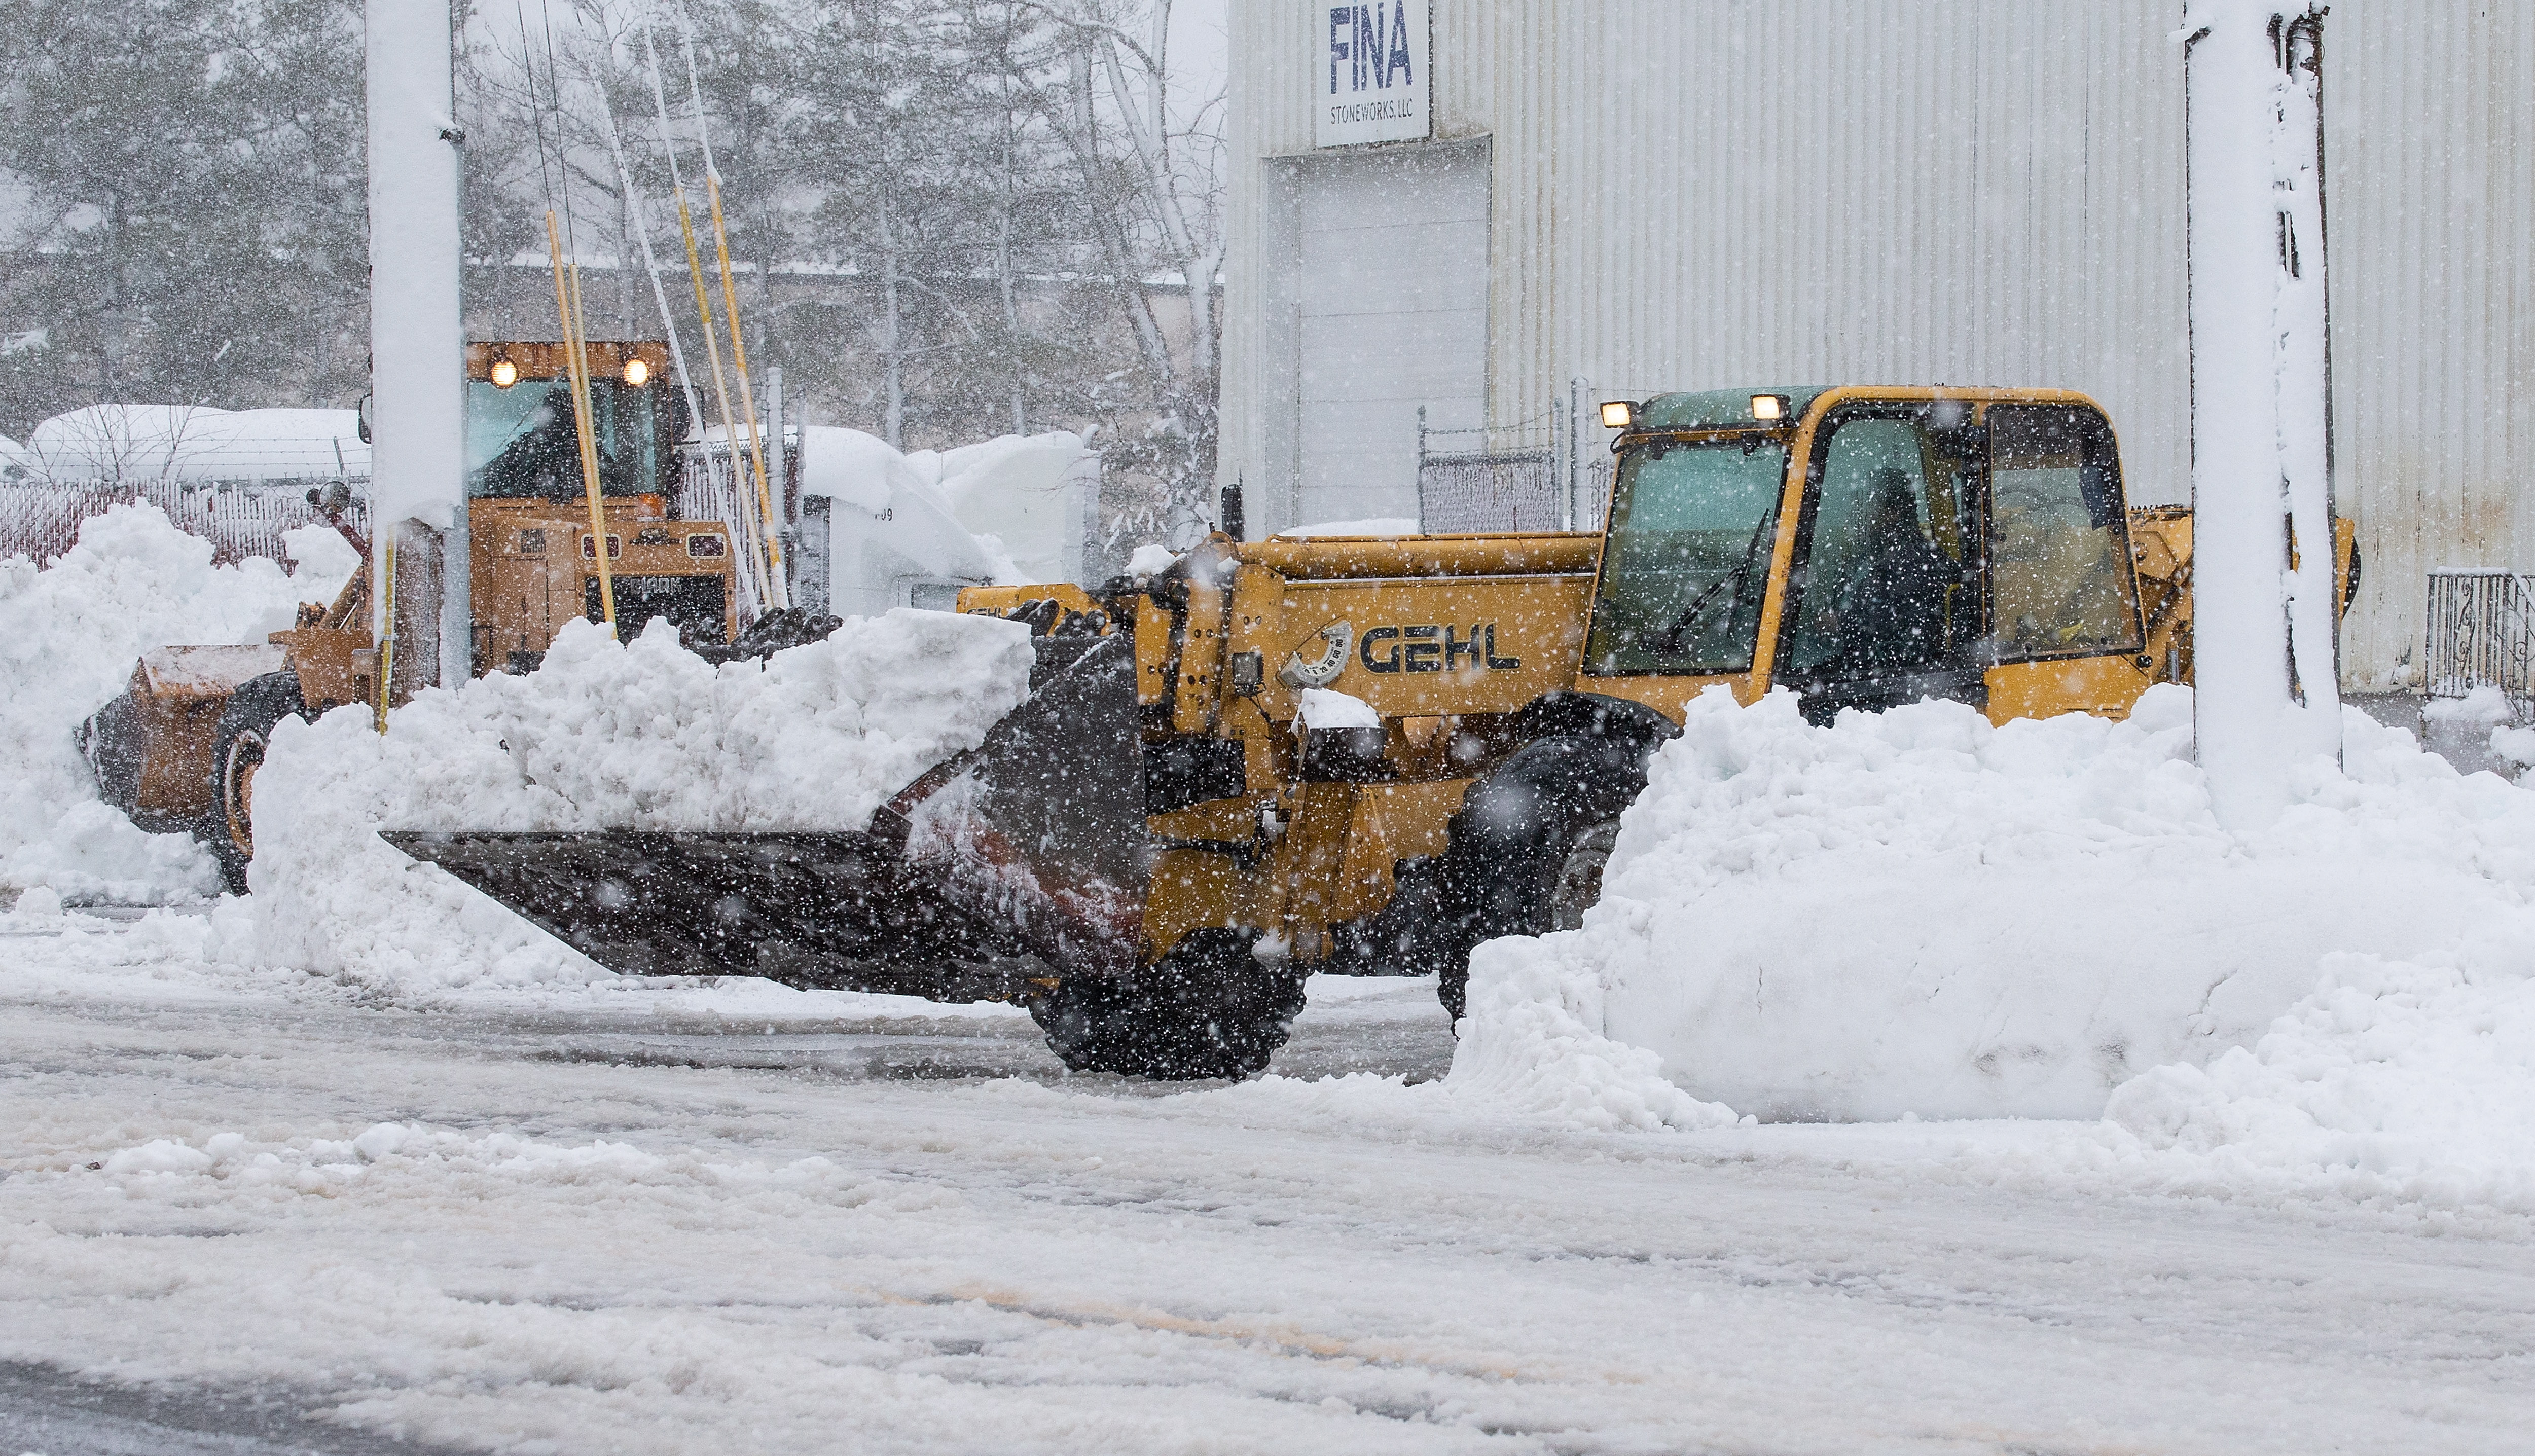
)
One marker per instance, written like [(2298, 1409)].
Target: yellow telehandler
[(1372, 753), (178, 750)]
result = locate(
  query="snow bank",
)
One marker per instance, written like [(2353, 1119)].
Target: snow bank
[(2482, 707), (1532, 1039), (645, 735), (2413, 1080), (69, 636), (1918, 913)]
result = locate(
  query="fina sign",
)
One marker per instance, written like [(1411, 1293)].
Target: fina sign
[(1371, 85)]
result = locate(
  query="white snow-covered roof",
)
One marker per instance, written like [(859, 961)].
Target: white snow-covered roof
[(185, 442), (997, 509)]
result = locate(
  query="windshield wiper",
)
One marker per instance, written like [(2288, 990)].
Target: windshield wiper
[(1695, 615)]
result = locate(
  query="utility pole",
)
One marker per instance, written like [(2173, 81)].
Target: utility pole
[(2267, 658), (417, 337)]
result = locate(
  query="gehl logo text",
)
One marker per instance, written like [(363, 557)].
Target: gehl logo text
[(1428, 647)]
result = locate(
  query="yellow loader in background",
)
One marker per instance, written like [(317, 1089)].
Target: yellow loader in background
[(178, 750), (1370, 755)]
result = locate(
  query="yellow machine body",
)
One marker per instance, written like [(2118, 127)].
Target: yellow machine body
[(1449, 640), (1376, 754)]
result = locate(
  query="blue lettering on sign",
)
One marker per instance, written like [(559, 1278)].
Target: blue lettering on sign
[(1356, 40)]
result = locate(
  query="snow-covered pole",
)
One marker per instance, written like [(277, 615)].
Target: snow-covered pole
[(2265, 670), (417, 340)]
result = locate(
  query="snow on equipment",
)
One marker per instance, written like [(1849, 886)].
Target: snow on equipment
[(179, 749), (1370, 753)]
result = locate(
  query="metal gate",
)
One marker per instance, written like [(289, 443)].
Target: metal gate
[(2482, 632)]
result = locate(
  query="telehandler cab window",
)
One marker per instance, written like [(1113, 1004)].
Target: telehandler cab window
[(1687, 559), (521, 441), (1881, 567), (2058, 547)]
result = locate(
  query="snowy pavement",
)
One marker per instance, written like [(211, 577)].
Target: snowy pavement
[(637, 1218)]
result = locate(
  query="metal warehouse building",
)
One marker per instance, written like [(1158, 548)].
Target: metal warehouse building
[(1456, 223)]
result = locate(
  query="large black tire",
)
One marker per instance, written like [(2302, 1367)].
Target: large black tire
[(1528, 847), (237, 750), (1209, 1008)]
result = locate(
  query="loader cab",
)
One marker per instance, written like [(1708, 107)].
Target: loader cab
[(1867, 548), (524, 443), (536, 558)]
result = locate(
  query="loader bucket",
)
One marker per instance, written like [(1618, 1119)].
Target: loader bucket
[(1023, 856), (1042, 826)]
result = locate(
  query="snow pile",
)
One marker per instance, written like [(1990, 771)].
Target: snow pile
[(645, 735), (1532, 1039), (1918, 913), (2412, 1079), (2482, 707), (1010, 510), (69, 636)]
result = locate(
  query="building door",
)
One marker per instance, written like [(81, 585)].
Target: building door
[(1388, 308)]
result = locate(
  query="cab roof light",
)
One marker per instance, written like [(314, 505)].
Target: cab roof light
[(1768, 406), (1618, 414)]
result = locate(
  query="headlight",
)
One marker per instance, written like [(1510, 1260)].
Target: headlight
[(505, 374), (637, 373)]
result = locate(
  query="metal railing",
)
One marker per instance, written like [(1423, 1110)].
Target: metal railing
[(2481, 634), (42, 520)]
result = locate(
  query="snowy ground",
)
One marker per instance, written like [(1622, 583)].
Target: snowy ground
[(638, 1217)]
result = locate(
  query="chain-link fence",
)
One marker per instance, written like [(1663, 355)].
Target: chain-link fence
[(2481, 633), (1503, 479), (42, 520), (1503, 491)]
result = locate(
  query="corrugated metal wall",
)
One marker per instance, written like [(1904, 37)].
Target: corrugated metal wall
[(1696, 193), (2430, 187)]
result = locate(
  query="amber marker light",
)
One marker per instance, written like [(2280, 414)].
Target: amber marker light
[(1768, 407), (1618, 414), (637, 373), (505, 374)]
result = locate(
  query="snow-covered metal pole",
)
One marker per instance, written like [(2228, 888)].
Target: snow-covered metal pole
[(418, 338), (2265, 668)]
